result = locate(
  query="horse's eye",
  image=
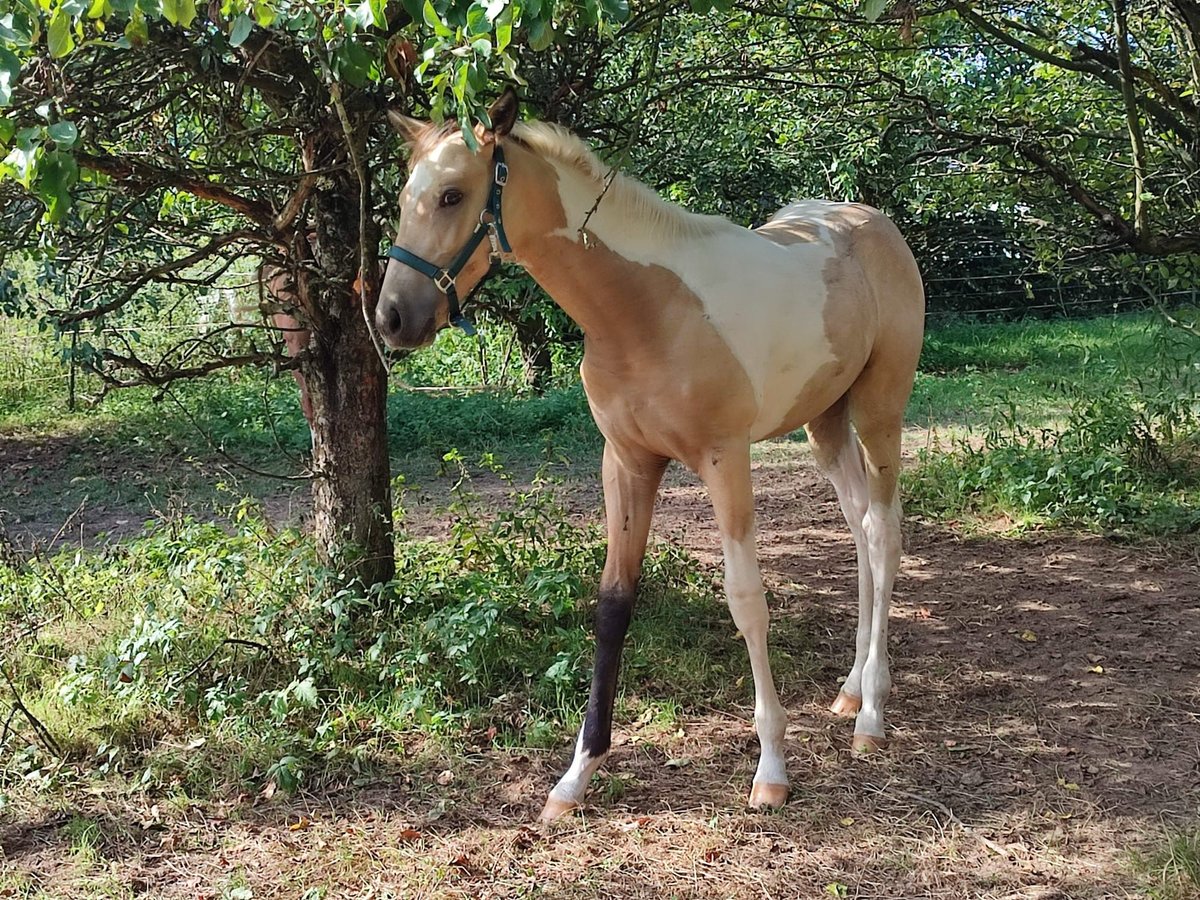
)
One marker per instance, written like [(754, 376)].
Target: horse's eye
[(451, 198)]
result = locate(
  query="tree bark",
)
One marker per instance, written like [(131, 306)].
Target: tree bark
[(347, 383), (535, 349)]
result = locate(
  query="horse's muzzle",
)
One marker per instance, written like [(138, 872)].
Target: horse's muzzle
[(410, 311)]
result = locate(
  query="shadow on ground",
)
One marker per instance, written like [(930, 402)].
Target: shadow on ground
[(1045, 721)]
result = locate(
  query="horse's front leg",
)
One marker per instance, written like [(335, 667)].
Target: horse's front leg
[(726, 473), (631, 479)]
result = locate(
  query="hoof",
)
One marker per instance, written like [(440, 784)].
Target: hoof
[(555, 809), (846, 704), (865, 744), (768, 796)]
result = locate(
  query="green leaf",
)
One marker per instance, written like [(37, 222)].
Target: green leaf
[(10, 71), (14, 28), (57, 174), (306, 692), (265, 14), (460, 83), (21, 162), (434, 21), (64, 134), (59, 38), (136, 31), (352, 61), (482, 46), (872, 9), (364, 15), (378, 13), (541, 35), (7, 128), (477, 20), (171, 11), (242, 26), (468, 133)]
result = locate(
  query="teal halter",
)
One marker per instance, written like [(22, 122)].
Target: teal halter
[(491, 226)]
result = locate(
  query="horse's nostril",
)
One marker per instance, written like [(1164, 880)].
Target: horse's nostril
[(393, 321)]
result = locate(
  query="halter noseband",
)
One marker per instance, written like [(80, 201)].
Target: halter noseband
[(491, 226)]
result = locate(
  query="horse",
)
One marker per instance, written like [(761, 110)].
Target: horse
[(700, 338)]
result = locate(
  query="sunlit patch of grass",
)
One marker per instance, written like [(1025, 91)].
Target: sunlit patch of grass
[(1171, 869)]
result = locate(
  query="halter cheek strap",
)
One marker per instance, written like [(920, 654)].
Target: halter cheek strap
[(491, 226)]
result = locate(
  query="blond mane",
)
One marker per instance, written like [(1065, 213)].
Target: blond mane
[(632, 198)]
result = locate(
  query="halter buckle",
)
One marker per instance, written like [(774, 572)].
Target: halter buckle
[(501, 176), (444, 282)]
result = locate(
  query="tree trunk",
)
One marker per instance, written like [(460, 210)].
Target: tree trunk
[(347, 383), (352, 504), (534, 339)]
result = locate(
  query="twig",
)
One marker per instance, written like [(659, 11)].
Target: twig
[(367, 266), (950, 816), (633, 134), (217, 449), (39, 729), (240, 642), (69, 520)]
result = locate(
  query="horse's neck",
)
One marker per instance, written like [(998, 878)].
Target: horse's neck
[(605, 268)]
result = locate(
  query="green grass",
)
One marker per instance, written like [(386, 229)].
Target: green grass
[(1093, 425), (1171, 870)]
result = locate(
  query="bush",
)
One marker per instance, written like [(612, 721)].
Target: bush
[(239, 640), (1122, 459)]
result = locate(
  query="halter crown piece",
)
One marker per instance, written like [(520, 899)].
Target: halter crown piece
[(491, 226)]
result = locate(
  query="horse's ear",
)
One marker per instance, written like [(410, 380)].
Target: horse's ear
[(409, 128), (503, 113)]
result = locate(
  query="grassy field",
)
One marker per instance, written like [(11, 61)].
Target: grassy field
[(204, 667)]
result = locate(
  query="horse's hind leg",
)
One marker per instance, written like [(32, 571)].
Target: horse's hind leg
[(837, 452), (877, 402), (726, 472), (631, 479)]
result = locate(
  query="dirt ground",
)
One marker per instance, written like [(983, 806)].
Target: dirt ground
[(1045, 726)]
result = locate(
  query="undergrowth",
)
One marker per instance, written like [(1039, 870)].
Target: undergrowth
[(200, 656), (1123, 456), (1171, 870)]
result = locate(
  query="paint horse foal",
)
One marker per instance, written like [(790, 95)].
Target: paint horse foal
[(700, 338)]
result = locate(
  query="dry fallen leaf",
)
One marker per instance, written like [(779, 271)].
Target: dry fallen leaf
[(300, 824), (678, 762), (410, 834), (445, 777), (848, 821), (1028, 636)]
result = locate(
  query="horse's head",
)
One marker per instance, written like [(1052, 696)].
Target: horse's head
[(447, 190)]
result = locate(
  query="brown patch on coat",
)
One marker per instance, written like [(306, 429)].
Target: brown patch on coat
[(644, 331), (871, 264)]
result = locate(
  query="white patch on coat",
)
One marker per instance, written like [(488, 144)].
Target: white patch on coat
[(766, 300)]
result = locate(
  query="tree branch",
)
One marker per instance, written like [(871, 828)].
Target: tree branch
[(142, 174), (66, 317)]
